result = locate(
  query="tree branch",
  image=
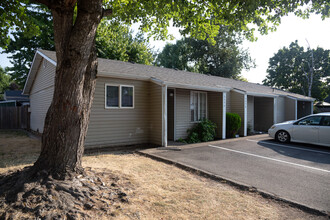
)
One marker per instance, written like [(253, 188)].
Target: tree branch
[(106, 12)]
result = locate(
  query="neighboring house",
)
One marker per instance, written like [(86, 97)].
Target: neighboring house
[(323, 106), (135, 104), (14, 98)]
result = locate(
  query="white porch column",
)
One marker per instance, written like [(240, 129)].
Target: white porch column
[(245, 115), (275, 110), (164, 114), (224, 107), (312, 107)]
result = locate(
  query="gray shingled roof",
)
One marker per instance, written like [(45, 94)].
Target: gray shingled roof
[(108, 67)]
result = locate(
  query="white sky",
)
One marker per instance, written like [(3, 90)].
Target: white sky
[(292, 28)]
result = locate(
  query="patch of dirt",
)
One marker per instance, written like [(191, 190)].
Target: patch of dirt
[(97, 193)]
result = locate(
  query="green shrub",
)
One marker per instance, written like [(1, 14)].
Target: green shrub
[(233, 123), (202, 132)]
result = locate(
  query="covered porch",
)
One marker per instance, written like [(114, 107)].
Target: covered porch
[(185, 105)]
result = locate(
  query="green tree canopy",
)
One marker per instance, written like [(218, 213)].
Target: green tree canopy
[(223, 58), (116, 41), (23, 46), (113, 41), (288, 68), (4, 81)]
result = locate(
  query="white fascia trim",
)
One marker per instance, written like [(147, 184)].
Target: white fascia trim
[(157, 81), (291, 97), (121, 76), (29, 75), (300, 99), (47, 58), (254, 93), (239, 91), (8, 101), (195, 87), (261, 95)]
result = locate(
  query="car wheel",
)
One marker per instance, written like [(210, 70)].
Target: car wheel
[(282, 136)]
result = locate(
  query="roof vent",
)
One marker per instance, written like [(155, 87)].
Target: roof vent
[(132, 62), (176, 68)]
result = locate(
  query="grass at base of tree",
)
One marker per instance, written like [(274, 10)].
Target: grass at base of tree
[(158, 190)]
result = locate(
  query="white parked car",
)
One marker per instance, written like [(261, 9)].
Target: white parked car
[(312, 129)]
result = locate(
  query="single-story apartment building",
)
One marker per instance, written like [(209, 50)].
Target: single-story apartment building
[(137, 104)]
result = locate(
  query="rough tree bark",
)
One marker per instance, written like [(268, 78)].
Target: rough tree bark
[(67, 119)]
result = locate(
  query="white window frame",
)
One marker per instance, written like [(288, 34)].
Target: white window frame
[(120, 95), (198, 100)]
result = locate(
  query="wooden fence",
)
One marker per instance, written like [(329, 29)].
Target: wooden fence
[(12, 117)]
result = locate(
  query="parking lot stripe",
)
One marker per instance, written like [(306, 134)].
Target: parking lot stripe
[(297, 148), (269, 158)]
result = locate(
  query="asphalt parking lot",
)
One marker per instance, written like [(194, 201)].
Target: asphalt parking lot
[(296, 172)]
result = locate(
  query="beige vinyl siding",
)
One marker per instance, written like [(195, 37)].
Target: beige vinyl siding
[(290, 109), (155, 113), (120, 126), (280, 109), (215, 110), (237, 106), (228, 106), (39, 104), (44, 78), (264, 113), (41, 95), (250, 112), (183, 122)]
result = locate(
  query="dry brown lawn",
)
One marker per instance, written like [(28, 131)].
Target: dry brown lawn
[(157, 190)]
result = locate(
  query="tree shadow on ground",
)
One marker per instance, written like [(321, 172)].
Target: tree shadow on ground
[(307, 152)]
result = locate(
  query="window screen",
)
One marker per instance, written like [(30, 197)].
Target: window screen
[(126, 96), (112, 96)]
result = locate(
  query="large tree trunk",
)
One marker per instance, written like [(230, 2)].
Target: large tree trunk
[(68, 116)]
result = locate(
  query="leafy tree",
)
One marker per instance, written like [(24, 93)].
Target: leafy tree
[(22, 46), (74, 36), (115, 41), (13, 16), (4, 81), (223, 58), (291, 68)]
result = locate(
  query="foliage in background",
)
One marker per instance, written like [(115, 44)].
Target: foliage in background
[(223, 58), (113, 41), (286, 70), (233, 124), (14, 17), (4, 81), (201, 132), (116, 41), (23, 46)]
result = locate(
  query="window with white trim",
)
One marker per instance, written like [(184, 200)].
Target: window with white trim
[(198, 106), (119, 96)]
